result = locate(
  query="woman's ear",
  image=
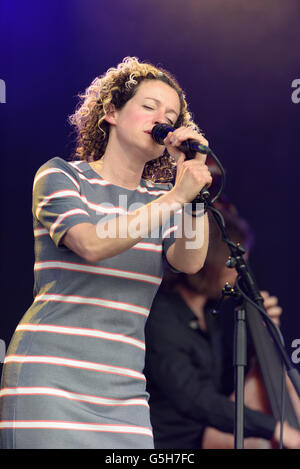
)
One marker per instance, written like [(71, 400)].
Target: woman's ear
[(110, 114)]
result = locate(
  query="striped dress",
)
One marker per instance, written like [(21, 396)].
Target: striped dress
[(73, 373)]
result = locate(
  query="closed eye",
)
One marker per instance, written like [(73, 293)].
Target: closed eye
[(152, 109)]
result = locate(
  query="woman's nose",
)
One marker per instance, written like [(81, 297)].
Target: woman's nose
[(159, 116), (160, 119)]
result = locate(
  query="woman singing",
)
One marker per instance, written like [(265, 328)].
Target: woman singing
[(73, 373)]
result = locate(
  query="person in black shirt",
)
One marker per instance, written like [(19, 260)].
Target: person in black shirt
[(188, 364)]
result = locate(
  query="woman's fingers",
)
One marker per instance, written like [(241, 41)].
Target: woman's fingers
[(176, 138)]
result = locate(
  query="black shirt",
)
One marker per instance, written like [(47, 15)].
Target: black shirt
[(190, 376)]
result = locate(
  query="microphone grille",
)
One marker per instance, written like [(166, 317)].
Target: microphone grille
[(160, 131)]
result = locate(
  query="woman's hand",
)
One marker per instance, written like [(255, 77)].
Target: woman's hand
[(174, 140), (191, 175)]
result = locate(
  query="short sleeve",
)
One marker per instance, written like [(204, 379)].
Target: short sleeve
[(57, 202)]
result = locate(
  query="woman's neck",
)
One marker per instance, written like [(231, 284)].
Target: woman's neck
[(116, 167)]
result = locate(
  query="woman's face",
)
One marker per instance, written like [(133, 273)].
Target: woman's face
[(154, 102)]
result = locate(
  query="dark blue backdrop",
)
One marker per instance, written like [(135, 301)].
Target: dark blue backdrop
[(236, 60)]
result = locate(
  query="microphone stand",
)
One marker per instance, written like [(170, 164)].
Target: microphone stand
[(248, 292)]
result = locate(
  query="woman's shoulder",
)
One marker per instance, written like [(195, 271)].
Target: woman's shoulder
[(57, 170), (57, 165), (60, 163)]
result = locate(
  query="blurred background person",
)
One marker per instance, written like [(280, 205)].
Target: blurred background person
[(189, 364)]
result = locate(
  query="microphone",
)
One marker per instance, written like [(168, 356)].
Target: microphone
[(189, 147)]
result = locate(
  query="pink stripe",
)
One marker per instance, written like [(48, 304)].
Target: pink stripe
[(87, 268), (89, 399), (61, 361), (52, 171), (60, 218), (104, 182), (51, 328), (101, 302), (40, 232), (170, 230), (75, 164), (100, 182), (57, 194), (148, 247), (98, 208), (77, 426)]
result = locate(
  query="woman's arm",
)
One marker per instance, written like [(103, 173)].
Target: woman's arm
[(189, 251), (107, 239)]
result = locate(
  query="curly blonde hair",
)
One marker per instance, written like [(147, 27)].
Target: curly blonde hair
[(117, 86)]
